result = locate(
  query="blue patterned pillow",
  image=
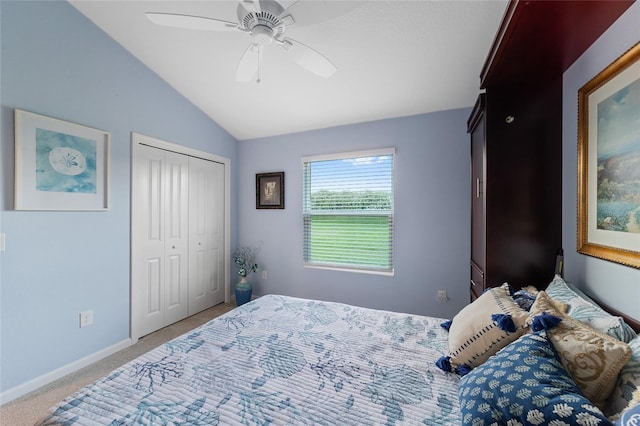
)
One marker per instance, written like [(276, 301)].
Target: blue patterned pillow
[(525, 384), (631, 415), (628, 382)]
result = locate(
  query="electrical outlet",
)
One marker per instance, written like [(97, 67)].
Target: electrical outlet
[(86, 318), (264, 275), (442, 296)]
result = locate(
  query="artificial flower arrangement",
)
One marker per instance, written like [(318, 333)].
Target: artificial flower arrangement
[(244, 258)]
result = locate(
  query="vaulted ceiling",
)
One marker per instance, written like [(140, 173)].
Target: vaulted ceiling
[(393, 58)]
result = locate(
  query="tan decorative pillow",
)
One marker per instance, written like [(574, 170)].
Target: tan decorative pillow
[(592, 358), (479, 330)]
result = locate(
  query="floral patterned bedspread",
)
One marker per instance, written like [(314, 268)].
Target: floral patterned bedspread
[(281, 360)]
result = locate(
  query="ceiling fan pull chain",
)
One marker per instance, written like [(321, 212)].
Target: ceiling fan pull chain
[(259, 63)]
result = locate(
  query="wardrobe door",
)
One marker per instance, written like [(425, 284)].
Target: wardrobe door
[(476, 127), (206, 216)]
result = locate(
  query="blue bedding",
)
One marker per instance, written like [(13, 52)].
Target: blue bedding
[(281, 360)]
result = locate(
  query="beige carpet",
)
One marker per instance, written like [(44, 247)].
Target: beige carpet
[(31, 407)]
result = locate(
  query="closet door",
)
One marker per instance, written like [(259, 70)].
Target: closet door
[(160, 202), (177, 237), (216, 248), (206, 236)]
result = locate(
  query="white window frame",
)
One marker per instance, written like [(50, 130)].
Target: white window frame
[(343, 156)]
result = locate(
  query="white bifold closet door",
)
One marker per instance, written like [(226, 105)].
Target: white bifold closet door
[(179, 204), (206, 234)]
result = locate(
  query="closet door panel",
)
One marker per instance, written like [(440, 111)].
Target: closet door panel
[(216, 241), (215, 285), (152, 197), (205, 211), (174, 291), (200, 265), (154, 287), (176, 190), (149, 258)]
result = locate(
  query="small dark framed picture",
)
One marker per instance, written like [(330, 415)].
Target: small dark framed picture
[(270, 190)]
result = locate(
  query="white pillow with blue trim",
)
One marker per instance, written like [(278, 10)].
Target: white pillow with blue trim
[(482, 328)]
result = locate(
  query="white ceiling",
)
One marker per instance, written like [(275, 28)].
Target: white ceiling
[(394, 58)]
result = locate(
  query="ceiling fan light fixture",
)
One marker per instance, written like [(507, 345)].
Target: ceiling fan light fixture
[(262, 34), (262, 23)]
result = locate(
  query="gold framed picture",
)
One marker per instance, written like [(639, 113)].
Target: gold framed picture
[(609, 162)]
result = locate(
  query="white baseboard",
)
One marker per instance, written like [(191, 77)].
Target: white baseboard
[(23, 389)]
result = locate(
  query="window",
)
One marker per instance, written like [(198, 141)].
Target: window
[(348, 211)]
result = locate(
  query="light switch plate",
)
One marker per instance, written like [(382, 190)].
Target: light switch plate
[(86, 318)]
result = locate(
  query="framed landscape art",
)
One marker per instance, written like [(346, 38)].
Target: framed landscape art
[(59, 165), (609, 162)]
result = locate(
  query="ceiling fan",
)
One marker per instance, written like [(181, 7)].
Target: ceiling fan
[(266, 22)]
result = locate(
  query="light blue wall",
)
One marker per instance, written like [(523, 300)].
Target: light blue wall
[(432, 211), (612, 283), (57, 63)]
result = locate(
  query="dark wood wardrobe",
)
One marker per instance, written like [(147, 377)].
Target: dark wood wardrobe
[(516, 139)]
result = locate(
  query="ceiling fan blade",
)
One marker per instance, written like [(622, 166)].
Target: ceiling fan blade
[(252, 5), (309, 59), (191, 22), (313, 12), (249, 63)]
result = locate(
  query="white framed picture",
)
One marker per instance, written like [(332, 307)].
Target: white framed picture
[(59, 165)]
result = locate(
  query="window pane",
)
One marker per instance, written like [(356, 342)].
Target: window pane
[(348, 212), (363, 241)]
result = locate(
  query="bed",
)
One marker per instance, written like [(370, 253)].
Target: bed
[(285, 360), (281, 360)]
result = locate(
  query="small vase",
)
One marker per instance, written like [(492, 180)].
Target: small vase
[(243, 291)]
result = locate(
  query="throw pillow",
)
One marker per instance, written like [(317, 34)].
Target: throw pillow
[(593, 358), (482, 328), (525, 384), (585, 310), (631, 415), (525, 297), (628, 382)]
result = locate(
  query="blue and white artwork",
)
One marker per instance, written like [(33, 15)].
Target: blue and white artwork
[(65, 163), (619, 160)]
